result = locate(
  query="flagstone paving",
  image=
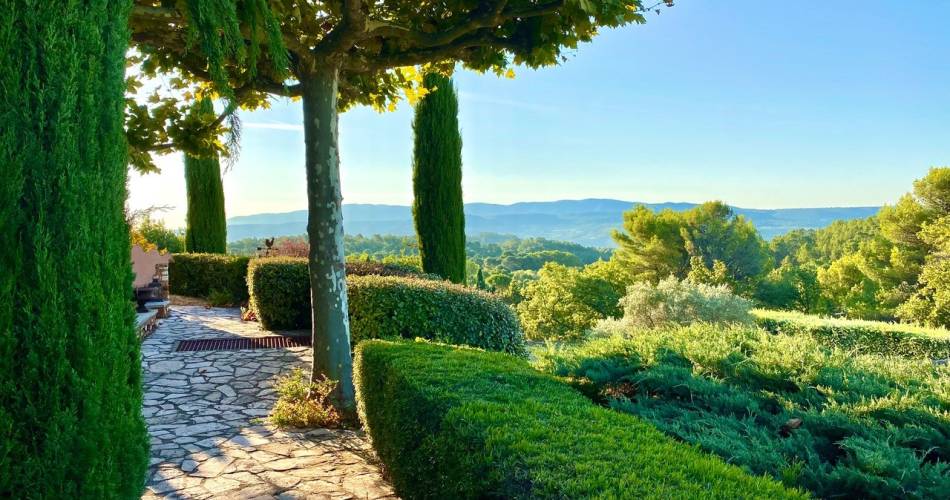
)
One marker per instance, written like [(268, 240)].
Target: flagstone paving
[(204, 411)]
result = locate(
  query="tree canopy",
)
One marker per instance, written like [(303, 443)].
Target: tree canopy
[(891, 266), (248, 49), (708, 243)]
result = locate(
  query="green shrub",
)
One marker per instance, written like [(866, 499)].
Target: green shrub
[(303, 404), (840, 425), (675, 302), (564, 302), (377, 268), (200, 274), (221, 298), (280, 288), (387, 307), (864, 337), (462, 423), (280, 292)]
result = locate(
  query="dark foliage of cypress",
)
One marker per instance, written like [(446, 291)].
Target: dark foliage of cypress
[(206, 230), (437, 181), (71, 421)]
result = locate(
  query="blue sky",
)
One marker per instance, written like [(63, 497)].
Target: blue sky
[(758, 103)]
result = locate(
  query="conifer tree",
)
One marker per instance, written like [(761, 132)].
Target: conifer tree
[(437, 208), (480, 281), (206, 229), (71, 421)]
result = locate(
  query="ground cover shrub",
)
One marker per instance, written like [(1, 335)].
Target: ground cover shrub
[(865, 337), (207, 275), (303, 404), (453, 422), (672, 301), (387, 307), (837, 424)]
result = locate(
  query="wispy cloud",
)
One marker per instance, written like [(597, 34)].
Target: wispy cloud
[(290, 127)]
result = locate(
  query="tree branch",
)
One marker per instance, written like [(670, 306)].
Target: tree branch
[(477, 31), (345, 34), (536, 11), (490, 17), (423, 55)]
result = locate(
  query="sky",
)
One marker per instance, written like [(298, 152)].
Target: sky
[(760, 104)]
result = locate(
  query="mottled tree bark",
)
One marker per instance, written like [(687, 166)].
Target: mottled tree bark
[(331, 328)]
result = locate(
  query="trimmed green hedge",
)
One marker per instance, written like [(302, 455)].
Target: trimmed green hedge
[(462, 423), (376, 268), (387, 307), (279, 288), (280, 292), (864, 337), (201, 274)]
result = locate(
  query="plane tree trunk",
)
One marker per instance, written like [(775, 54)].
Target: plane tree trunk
[(331, 328)]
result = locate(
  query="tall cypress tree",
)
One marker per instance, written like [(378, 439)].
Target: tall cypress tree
[(437, 181), (71, 421), (206, 229)]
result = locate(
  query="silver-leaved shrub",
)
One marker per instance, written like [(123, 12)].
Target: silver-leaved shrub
[(676, 302)]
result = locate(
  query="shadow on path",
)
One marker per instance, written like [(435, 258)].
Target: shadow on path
[(204, 411)]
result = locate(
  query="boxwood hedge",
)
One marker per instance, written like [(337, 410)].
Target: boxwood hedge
[(279, 288), (201, 274), (462, 423), (387, 306), (862, 337)]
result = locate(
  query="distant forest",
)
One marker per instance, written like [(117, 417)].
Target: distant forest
[(890, 266)]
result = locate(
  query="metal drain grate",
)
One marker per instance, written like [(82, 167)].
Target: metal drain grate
[(235, 344)]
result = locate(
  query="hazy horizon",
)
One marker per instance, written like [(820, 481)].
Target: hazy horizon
[(632, 202)]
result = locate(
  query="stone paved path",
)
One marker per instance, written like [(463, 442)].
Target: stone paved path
[(203, 411)]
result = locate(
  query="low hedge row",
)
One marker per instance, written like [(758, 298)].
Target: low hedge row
[(279, 288), (462, 423), (863, 337), (376, 268), (204, 274), (387, 307), (201, 274)]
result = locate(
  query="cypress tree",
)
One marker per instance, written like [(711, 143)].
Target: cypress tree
[(437, 181), (206, 230), (480, 280), (71, 421)]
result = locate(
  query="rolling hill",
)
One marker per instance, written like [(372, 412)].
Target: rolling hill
[(587, 222)]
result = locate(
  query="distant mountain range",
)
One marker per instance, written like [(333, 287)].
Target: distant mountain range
[(587, 222)]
